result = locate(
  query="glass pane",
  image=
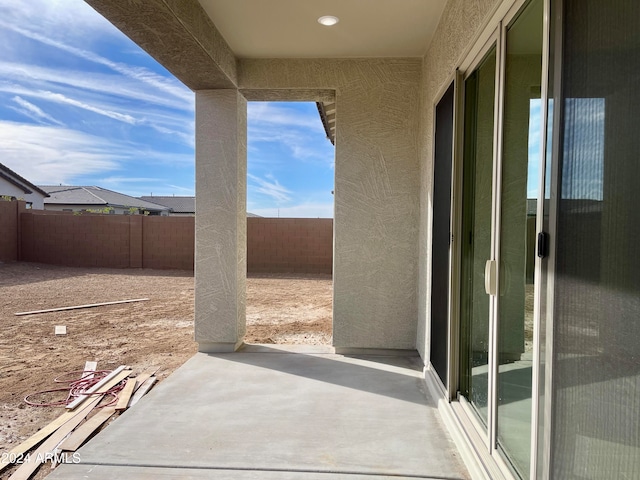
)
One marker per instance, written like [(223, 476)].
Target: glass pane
[(520, 186), (476, 232), (596, 364)]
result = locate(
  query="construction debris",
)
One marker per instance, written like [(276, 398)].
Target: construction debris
[(91, 305), (110, 393), (106, 383), (142, 390), (125, 394), (90, 366)]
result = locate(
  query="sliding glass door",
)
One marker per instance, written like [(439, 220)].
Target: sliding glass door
[(596, 228), (520, 179), (500, 191), (476, 233)]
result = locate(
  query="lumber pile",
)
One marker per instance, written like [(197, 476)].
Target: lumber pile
[(84, 414)]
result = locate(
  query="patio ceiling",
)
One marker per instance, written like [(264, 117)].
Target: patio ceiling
[(289, 28), (199, 41)]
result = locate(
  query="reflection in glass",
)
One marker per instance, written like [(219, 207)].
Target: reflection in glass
[(476, 232), (596, 317), (520, 185)]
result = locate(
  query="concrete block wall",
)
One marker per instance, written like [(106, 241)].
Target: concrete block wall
[(76, 241), (168, 242), (289, 245), (274, 245), (10, 230)]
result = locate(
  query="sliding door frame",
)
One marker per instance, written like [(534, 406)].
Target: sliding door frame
[(484, 440), (491, 41), (451, 379)]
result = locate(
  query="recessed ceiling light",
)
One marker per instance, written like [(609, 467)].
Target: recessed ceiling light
[(328, 20)]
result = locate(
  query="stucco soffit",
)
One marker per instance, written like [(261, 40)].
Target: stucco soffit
[(178, 34), (289, 95), (322, 73)]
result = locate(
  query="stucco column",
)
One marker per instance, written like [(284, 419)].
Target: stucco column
[(221, 183)]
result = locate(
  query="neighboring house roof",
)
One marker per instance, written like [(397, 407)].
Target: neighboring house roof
[(176, 204), (22, 183), (92, 195), (179, 204)]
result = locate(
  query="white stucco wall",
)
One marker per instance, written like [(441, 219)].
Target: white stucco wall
[(461, 22), (10, 190), (383, 157), (221, 222), (376, 189)]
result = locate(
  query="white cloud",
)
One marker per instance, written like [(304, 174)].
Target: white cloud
[(183, 190), (186, 138), (67, 80), (176, 125), (59, 98), (301, 132), (270, 187), (119, 180), (168, 85), (35, 110), (270, 113), (143, 114), (153, 158), (55, 16), (303, 210), (298, 142), (53, 155)]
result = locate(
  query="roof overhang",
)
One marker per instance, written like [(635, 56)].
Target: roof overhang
[(205, 43), (20, 182), (201, 41), (327, 111)]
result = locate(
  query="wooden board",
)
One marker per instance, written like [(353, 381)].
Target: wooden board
[(35, 458), (20, 450), (144, 388), (75, 307), (84, 431), (140, 379), (125, 394), (117, 373), (144, 376)]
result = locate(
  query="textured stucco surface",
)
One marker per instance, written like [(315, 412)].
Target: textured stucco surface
[(460, 23), (383, 162), (179, 35), (376, 189), (221, 176)]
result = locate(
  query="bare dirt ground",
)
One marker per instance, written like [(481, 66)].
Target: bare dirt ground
[(154, 333), (293, 309)]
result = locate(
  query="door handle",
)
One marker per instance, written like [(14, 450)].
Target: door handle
[(490, 278)]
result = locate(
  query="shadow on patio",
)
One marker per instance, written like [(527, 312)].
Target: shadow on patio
[(274, 412)]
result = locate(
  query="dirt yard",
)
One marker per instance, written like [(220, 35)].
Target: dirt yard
[(154, 333)]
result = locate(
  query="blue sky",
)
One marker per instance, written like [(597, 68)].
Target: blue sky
[(80, 104)]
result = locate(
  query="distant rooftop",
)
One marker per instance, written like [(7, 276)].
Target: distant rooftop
[(22, 183), (176, 204), (92, 195), (179, 204)]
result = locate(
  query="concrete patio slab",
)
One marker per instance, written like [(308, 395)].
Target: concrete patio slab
[(273, 413)]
